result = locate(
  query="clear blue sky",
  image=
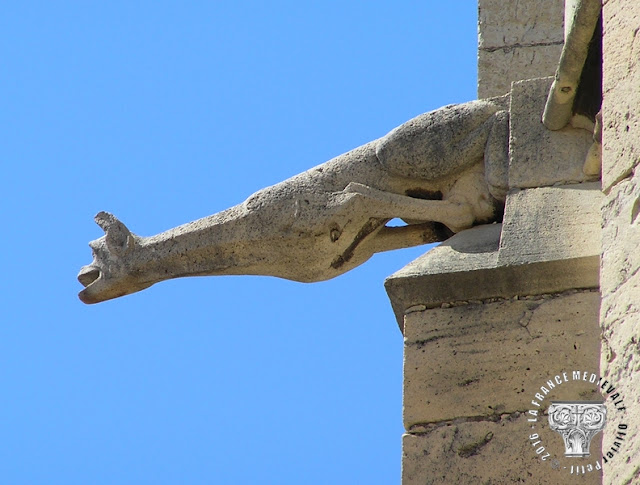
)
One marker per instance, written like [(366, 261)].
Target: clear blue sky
[(164, 112)]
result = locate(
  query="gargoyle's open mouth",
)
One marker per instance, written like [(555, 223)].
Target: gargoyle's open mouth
[(100, 286), (88, 274), (108, 276)]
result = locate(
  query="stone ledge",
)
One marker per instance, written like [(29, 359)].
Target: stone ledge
[(551, 223), (533, 252)]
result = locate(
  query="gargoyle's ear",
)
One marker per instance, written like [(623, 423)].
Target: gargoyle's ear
[(119, 239)]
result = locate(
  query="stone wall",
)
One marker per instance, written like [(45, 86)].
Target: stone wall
[(470, 369), (620, 266), (487, 317), (517, 40), (496, 310)]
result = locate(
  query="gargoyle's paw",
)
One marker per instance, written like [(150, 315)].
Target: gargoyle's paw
[(355, 188), (88, 274)]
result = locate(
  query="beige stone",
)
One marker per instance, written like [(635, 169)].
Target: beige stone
[(449, 272), (553, 223), (490, 452), (620, 272), (526, 22), (620, 319), (621, 367), (538, 156), (620, 117), (483, 359), (620, 235), (517, 40), (499, 67)]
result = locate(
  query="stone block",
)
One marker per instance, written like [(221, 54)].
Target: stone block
[(620, 317), (485, 452), (448, 272), (620, 278), (482, 359), (498, 67), (554, 223), (621, 234), (537, 156), (528, 22), (620, 322), (517, 40), (620, 272), (621, 96), (620, 362)]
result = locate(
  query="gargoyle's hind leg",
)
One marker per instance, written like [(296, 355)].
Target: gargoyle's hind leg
[(389, 238), (455, 215)]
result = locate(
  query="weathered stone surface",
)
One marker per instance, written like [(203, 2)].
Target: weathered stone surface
[(491, 452), (553, 223), (483, 359), (620, 317), (496, 157), (465, 268), (620, 236), (499, 67), (449, 272), (620, 272), (528, 22), (538, 156), (517, 40), (621, 119)]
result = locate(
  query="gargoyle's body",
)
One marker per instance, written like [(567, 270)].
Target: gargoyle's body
[(446, 167)]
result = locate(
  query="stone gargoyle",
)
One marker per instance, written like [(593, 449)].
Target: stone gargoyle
[(441, 172)]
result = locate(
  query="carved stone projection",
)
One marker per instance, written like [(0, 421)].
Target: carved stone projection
[(441, 172)]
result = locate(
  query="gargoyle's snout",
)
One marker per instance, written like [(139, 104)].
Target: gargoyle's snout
[(101, 287), (107, 276)]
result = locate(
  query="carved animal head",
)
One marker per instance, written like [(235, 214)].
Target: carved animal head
[(110, 274)]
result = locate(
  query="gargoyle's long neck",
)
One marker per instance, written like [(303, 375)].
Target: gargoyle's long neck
[(214, 245)]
